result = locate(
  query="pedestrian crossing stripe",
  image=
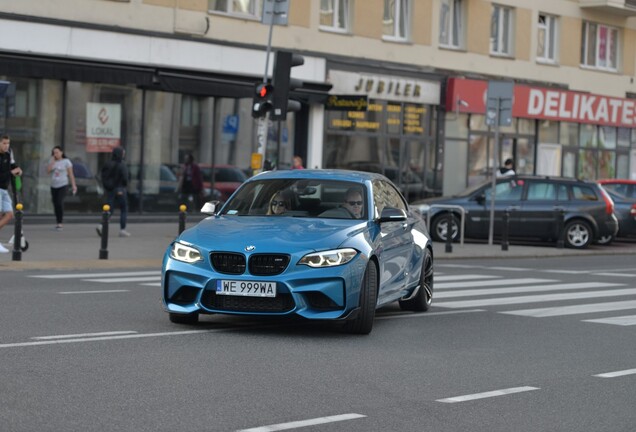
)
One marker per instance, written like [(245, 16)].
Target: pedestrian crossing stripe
[(95, 275), (574, 309), (536, 298), (445, 285), (522, 289), (628, 320)]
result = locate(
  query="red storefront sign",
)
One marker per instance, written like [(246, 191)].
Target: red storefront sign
[(469, 96)]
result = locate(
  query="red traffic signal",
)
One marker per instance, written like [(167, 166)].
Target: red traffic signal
[(262, 101)]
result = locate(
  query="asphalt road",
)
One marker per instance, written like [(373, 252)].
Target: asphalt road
[(512, 345)]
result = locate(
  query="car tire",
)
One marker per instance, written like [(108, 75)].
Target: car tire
[(191, 318), (578, 234), (439, 227), (422, 301), (605, 240), (363, 322)]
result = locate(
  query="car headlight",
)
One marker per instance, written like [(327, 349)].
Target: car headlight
[(328, 258), (184, 253)]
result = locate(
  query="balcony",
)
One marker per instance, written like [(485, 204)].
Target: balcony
[(625, 8)]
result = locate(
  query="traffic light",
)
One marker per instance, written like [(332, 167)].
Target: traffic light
[(283, 84), (262, 100)]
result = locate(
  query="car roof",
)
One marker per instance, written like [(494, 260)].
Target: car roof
[(616, 181), (322, 174)]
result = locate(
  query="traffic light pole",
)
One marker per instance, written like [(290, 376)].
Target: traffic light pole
[(493, 188), (263, 122)]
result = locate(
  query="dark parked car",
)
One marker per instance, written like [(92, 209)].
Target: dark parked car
[(89, 196), (625, 211), (535, 205)]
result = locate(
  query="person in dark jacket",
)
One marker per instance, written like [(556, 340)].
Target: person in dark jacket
[(115, 182), (8, 168), (192, 182)]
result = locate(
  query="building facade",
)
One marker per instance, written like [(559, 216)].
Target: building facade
[(165, 78)]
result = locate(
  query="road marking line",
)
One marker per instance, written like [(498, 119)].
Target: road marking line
[(508, 268), (573, 310), (492, 283), (70, 336), (616, 374), (92, 292), (126, 279), (536, 298), (522, 289), (615, 274), (155, 284), (627, 320), (463, 277), (487, 394), (105, 338), (84, 275), (304, 423), (424, 315)]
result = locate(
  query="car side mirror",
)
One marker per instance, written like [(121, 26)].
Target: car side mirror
[(210, 207), (391, 214)]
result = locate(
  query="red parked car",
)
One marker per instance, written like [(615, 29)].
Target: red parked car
[(227, 179), (625, 187)]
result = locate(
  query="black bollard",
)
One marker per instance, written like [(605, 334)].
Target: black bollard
[(449, 232), (560, 216), (103, 252), (506, 227), (182, 218), (17, 235)]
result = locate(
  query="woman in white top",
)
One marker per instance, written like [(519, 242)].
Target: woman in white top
[(61, 170)]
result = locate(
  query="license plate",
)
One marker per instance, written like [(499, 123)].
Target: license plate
[(246, 288)]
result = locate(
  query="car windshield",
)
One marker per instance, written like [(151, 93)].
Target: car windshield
[(298, 198)]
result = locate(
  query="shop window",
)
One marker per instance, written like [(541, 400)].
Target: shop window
[(568, 134), (587, 164), (599, 46), (607, 137), (587, 136), (547, 38), (525, 126), (242, 8), (607, 164), (395, 22), (623, 137), (501, 30), (548, 132), (569, 163), (451, 24), (335, 15), (622, 165)]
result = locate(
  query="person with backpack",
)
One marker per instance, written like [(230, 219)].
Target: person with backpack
[(115, 182)]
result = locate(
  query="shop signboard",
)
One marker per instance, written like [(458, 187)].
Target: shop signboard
[(470, 96), (103, 127)]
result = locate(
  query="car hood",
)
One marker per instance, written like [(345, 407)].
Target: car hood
[(271, 234)]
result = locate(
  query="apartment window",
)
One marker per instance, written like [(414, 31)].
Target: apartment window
[(395, 22), (249, 8), (501, 31), (599, 46), (451, 23), (334, 15), (547, 36)]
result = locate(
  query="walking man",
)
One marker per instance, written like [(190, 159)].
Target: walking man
[(8, 168)]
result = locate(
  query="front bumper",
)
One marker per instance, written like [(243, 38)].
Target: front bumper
[(324, 293)]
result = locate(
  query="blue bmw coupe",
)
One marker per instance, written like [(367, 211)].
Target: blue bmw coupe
[(319, 244)]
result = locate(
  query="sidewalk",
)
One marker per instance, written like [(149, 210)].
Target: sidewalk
[(78, 246)]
